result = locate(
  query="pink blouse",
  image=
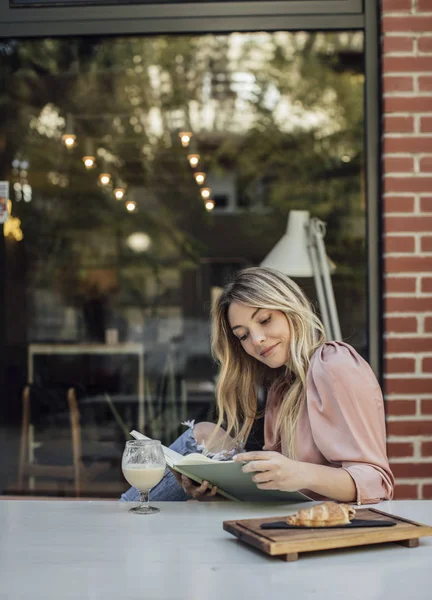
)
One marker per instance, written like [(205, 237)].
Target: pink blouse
[(342, 422)]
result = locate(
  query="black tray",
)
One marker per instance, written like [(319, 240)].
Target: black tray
[(354, 523)]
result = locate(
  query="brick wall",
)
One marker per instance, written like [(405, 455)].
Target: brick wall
[(407, 171)]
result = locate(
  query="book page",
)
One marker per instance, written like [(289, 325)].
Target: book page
[(195, 458)]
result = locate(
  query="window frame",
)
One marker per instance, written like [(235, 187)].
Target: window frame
[(227, 16)]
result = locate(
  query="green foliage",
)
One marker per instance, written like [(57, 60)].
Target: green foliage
[(282, 111)]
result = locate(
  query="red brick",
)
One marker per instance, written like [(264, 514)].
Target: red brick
[(426, 283), (426, 164), (424, 5), (400, 449), (427, 492), (409, 385), (407, 145), (426, 449), (404, 491), (403, 264), (408, 64), (408, 304), (420, 427), (415, 344), (400, 325), (399, 204), (426, 204), (427, 365), (394, 124), (399, 244), (396, 5), (411, 104), (398, 164), (405, 23), (400, 407), (407, 223), (426, 243), (425, 44), (428, 324), (395, 83), (397, 285), (412, 469), (425, 124), (400, 365), (425, 83), (426, 406), (398, 43), (408, 184)]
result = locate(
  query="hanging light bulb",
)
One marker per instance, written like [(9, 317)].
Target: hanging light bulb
[(119, 190), (193, 160), (69, 137), (185, 138), (89, 162), (105, 176), (119, 193), (209, 204), (205, 193), (199, 178), (130, 205), (89, 159)]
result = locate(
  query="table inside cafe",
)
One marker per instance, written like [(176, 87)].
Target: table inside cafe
[(97, 549)]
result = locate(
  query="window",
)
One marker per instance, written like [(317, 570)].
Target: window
[(277, 124)]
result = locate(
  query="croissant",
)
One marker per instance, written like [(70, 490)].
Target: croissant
[(323, 515)]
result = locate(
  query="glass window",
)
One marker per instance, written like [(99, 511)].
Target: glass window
[(144, 172)]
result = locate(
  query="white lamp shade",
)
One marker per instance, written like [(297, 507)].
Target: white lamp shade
[(291, 255)]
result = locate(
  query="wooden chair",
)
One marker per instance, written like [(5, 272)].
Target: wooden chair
[(76, 471)]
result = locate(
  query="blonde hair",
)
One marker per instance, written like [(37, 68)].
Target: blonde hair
[(241, 375)]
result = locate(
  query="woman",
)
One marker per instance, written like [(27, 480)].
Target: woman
[(324, 423)]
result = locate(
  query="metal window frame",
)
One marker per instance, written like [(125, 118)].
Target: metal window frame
[(226, 16), (184, 17)]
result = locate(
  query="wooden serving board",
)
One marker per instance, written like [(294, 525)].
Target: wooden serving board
[(287, 544)]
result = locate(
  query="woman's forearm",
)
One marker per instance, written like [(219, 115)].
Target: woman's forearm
[(331, 482)]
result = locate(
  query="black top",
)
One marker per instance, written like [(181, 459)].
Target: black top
[(255, 440)]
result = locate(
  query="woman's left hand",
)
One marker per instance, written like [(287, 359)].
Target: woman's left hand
[(273, 471)]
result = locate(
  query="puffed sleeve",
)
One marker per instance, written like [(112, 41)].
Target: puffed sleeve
[(346, 412)]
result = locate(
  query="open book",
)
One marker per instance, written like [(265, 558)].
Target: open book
[(227, 476)]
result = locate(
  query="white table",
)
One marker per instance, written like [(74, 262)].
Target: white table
[(97, 550)]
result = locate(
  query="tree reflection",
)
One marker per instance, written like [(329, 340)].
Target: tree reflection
[(277, 122)]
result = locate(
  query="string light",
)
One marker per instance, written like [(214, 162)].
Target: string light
[(104, 178), (130, 205), (89, 159), (199, 178), (119, 190), (193, 159), (209, 205), (185, 138), (205, 193), (69, 137)]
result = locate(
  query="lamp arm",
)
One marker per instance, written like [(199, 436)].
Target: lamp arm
[(322, 303), (317, 229)]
